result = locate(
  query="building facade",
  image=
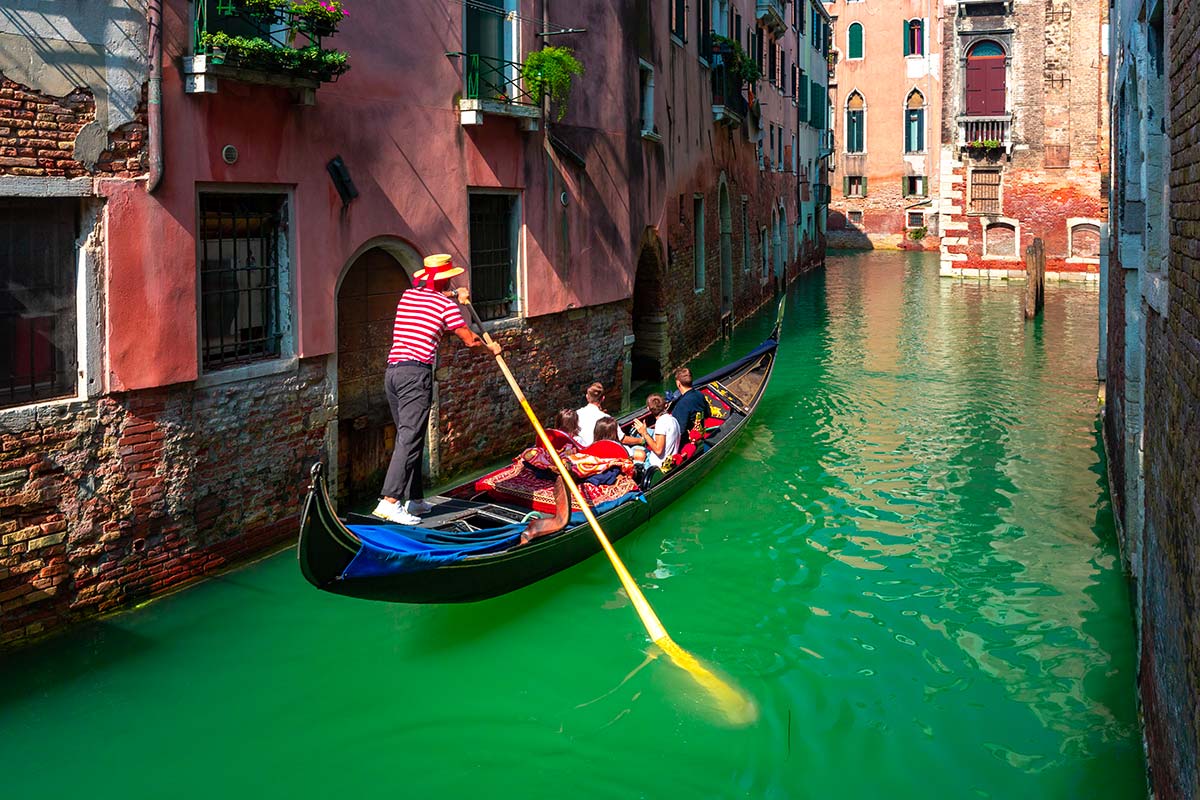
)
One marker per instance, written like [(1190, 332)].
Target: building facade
[(1150, 363), (1023, 152), (886, 107), (207, 219)]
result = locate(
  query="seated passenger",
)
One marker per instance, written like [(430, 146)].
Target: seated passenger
[(664, 441), (567, 421), (606, 429), (591, 413), (691, 408)]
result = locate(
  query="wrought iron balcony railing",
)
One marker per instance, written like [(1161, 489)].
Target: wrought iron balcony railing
[(494, 85), (729, 104), (255, 41)]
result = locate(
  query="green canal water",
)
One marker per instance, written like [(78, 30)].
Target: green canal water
[(909, 562)]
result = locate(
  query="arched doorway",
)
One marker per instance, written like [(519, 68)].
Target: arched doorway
[(651, 346), (726, 222), (366, 306)]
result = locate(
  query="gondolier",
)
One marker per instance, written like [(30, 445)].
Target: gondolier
[(422, 315)]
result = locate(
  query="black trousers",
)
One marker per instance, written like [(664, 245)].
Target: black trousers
[(409, 390)]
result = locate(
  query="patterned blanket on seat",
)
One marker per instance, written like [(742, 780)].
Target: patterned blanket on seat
[(528, 482)]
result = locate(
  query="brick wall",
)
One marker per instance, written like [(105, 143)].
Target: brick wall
[(554, 358), (1054, 170), (1170, 670), (37, 135), (106, 502)]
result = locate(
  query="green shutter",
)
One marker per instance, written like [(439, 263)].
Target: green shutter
[(845, 186), (802, 97), (907, 49), (864, 184), (904, 186), (855, 40)]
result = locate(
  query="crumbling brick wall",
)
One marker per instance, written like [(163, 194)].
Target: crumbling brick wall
[(106, 502), (38, 132)]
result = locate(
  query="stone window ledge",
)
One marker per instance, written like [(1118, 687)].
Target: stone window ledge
[(261, 369)]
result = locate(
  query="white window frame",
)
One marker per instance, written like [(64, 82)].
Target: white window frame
[(517, 225), (89, 267), (645, 68), (990, 221), (698, 265)]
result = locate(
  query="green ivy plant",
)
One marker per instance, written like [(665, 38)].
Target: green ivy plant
[(258, 53), (738, 62), (318, 16), (917, 234), (985, 144), (550, 71)]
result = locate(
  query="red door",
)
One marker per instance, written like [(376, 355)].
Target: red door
[(985, 86)]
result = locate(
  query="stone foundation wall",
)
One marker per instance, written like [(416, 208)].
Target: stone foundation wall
[(107, 502)]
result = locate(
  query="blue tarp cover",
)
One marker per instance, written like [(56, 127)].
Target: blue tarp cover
[(390, 549)]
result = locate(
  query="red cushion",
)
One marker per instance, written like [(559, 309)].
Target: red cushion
[(605, 448), (713, 422), (559, 439)]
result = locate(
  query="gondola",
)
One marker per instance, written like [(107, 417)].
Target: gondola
[(469, 548)]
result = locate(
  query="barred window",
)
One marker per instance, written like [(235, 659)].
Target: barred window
[(985, 191), (38, 307), (243, 252), (494, 254)]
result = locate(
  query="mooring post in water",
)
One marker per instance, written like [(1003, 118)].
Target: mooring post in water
[(1035, 274)]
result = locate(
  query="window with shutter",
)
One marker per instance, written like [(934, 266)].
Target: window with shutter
[(854, 41), (914, 37), (914, 123), (802, 97), (986, 80), (856, 111)]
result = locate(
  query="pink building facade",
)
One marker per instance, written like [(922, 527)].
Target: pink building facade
[(217, 234), (886, 100)]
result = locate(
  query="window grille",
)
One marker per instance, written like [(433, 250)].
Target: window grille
[(493, 257), (242, 242), (37, 300), (985, 191)]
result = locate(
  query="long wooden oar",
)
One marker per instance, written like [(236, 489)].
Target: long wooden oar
[(737, 708)]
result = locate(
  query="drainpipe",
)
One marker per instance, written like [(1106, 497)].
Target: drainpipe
[(154, 94)]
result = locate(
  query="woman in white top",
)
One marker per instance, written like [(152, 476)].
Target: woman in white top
[(664, 442)]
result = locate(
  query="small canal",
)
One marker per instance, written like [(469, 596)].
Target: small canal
[(909, 561)]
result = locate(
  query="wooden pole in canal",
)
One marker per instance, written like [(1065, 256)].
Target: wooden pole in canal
[(1035, 278)]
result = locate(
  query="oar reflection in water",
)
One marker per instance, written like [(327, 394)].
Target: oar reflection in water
[(734, 705)]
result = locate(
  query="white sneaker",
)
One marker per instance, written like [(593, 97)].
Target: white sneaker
[(418, 507), (392, 512)]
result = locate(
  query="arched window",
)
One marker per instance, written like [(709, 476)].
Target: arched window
[(856, 124), (986, 74), (1085, 241), (1000, 240), (914, 37), (854, 41), (914, 123)]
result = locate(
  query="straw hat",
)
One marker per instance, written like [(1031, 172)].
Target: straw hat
[(438, 267)]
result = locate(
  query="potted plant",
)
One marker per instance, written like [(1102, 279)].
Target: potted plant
[(319, 17), (989, 146), (550, 71)]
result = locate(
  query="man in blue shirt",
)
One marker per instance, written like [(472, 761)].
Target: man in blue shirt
[(691, 409)]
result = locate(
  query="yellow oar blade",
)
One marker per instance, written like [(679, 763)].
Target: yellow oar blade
[(736, 708)]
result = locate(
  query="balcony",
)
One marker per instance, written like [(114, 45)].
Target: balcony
[(985, 134), (832, 60), (770, 13), (729, 105), (265, 42), (493, 86)]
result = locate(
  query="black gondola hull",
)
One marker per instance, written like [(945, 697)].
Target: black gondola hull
[(327, 546)]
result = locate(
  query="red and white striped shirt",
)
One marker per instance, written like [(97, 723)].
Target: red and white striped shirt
[(421, 317)]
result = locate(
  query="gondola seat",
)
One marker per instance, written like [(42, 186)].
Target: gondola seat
[(521, 485)]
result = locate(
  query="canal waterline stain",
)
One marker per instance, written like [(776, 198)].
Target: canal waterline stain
[(909, 561)]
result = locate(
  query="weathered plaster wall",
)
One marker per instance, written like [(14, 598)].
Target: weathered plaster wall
[(98, 46)]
